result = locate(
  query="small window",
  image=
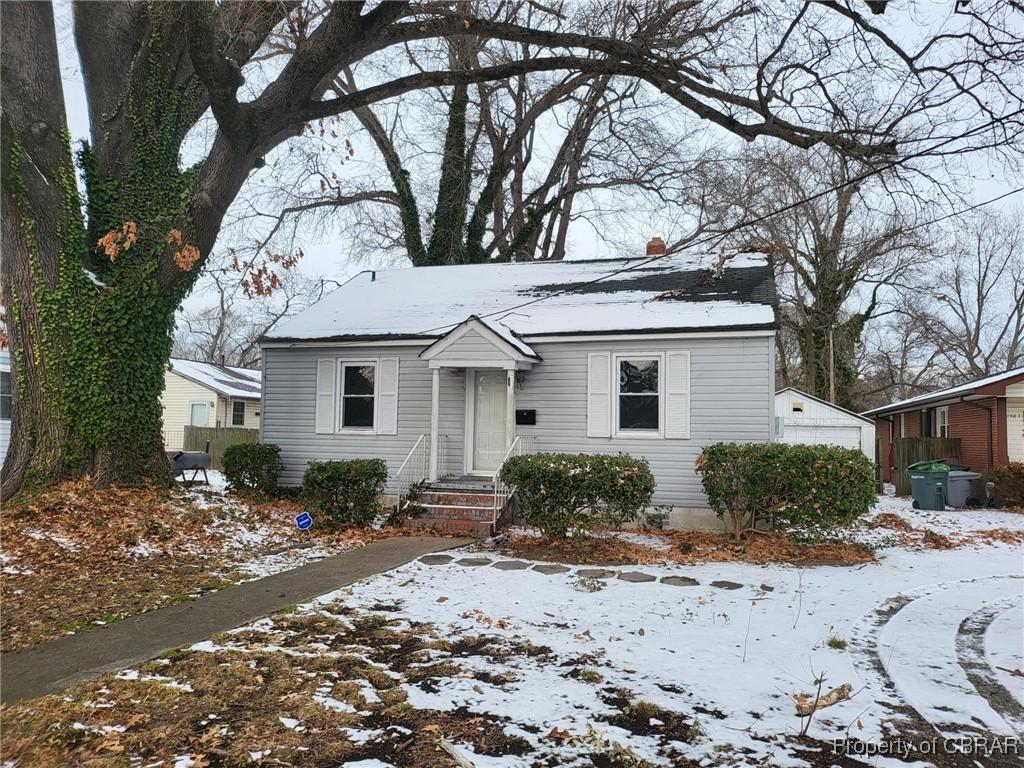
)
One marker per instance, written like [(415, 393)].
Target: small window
[(198, 414), (903, 425), (639, 391), (942, 422), (797, 407), (238, 413), (5, 395), (358, 387)]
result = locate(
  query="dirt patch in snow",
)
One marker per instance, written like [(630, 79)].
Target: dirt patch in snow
[(688, 547)]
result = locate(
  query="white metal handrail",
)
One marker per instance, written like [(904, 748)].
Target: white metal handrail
[(414, 469), (502, 491)]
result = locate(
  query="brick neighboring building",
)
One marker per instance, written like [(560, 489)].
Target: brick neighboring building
[(986, 414)]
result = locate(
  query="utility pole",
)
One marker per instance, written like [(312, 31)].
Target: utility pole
[(831, 365)]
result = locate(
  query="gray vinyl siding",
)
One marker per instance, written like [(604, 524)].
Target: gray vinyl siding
[(472, 346), (731, 398), (289, 409)]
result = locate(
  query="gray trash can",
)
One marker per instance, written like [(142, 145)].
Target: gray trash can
[(928, 484), (958, 487)]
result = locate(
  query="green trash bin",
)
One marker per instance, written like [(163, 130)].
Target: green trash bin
[(928, 484)]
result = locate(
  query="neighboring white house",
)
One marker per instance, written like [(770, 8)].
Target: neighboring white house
[(6, 401), (208, 395), (805, 419), (445, 371)]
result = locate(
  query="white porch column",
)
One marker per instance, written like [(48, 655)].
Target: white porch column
[(435, 402), (510, 409)]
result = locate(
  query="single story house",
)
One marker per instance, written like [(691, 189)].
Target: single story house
[(803, 419), (446, 371), (208, 395), (6, 401), (987, 414)]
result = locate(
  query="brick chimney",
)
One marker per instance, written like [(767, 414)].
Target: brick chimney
[(656, 246)]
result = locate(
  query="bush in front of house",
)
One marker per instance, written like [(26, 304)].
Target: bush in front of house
[(253, 467), (345, 492), (1008, 484), (812, 489), (562, 492)]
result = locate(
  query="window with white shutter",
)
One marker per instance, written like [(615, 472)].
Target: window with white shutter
[(599, 410), (325, 377), (387, 396), (677, 395)]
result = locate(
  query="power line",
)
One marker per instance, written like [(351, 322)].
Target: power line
[(744, 224)]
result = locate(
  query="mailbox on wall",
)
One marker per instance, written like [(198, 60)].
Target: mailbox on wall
[(526, 417)]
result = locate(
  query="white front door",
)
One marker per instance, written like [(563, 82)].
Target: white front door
[(1015, 432), (488, 433), (198, 414)]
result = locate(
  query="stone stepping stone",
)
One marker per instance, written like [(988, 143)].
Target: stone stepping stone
[(766, 588), (726, 585), (680, 581), (595, 573), (511, 565), (635, 577), (549, 569), (436, 559), (474, 562)]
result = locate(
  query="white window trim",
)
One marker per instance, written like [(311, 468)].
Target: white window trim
[(939, 427), (340, 389), (188, 420), (642, 434), (903, 425), (231, 413)]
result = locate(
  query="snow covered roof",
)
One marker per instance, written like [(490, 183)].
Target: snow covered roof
[(682, 292), (242, 383), (960, 390)]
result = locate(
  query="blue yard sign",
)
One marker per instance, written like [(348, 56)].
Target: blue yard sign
[(303, 522)]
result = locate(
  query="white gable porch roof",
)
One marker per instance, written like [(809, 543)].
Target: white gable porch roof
[(477, 343)]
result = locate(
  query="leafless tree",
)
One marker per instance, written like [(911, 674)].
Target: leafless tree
[(228, 331), (841, 244), (974, 315)]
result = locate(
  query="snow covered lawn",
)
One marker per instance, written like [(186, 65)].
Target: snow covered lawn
[(500, 663)]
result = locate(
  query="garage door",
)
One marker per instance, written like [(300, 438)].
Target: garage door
[(846, 437)]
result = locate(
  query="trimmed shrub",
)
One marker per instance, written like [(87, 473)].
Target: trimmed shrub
[(253, 467), (345, 492), (562, 492), (812, 489), (1009, 484)]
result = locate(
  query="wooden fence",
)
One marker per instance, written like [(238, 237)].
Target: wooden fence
[(909, 450), (219, 438)]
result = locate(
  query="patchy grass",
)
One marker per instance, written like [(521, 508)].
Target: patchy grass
[(323, 683), (75, 556), (836, 643)]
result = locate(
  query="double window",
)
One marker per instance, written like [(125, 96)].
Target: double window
[(238, 413), (5, 395), (639, 394), (358, 387)]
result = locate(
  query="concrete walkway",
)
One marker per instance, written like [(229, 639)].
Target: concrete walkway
[(56, 664)]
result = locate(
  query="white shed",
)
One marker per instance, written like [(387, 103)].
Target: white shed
[(805, 419)]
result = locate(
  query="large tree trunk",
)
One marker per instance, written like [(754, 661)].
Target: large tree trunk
[(39, 205), (91, 327)]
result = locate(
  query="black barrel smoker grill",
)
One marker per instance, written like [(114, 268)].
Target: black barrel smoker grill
[(191, 461)]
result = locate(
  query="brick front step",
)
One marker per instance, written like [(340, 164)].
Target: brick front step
[(455, 499), (470, 527), (457, 513)]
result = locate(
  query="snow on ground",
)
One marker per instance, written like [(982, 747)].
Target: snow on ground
[(735, 657)]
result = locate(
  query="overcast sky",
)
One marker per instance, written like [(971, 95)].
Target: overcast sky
[(325, 256)]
